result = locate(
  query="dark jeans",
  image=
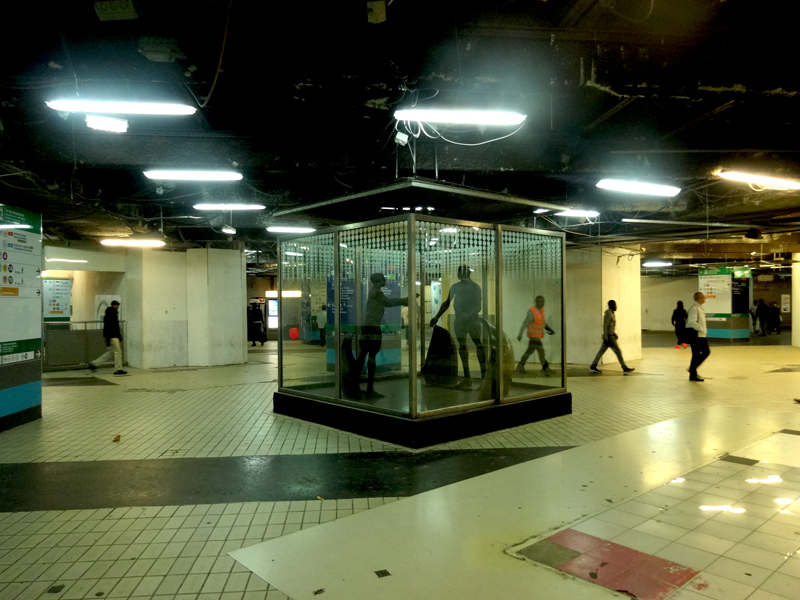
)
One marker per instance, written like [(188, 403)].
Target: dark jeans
[(534, 345), (611, 343), (472, 328), (700, 352)]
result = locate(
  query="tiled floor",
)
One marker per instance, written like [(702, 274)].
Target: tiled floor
[(725, 530), (171, 552)]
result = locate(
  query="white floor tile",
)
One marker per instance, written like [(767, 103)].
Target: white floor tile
[(601, 529), (709, 543), (756, 556), (738, 571), (783, 585), (719, 588), (772, 543), (686, 555), (661, 530), (640, 541)]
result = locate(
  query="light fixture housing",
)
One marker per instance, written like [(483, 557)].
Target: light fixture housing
[(638, 187), (656, 263), (190, 175), (293, 253), (103, 123), (287, 229), (570, 212), (459, 117), (770, 182), (229, 206), (228, 229), (118, 107), (133, 243), (66, 260), (541, 211)]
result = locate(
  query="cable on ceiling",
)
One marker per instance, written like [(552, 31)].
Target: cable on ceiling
[(221, 54)]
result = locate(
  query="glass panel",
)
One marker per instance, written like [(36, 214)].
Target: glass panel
[(455, 264), (532, 312), (306, 315), (374, 289)]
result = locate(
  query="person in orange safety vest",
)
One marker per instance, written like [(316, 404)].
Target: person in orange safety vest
[(536, 325)]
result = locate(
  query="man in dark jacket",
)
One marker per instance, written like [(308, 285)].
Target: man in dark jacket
[(113, 336)]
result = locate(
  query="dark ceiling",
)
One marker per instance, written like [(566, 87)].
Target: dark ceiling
[(663, 91)]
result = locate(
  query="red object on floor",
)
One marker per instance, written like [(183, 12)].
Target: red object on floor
[(294, 332), (593, 569), (665, 570), (641, 586), (575, 540), (611, 552)]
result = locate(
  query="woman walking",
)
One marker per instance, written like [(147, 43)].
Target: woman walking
[(679, 316)]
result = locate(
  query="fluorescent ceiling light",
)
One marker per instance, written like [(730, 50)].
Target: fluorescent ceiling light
[(343, 245), (418, 208), (69, 260), (656, 263), (121, 108), (228, 229), (107, 123), (687, 223), (449, 230), (293, 253), (577, 213), (465, 117), (181, 175), (291, 294), (540, 211), (14, 226), (430, 208), (636, 187), (771, 182), (282, 229), (133, 243), (229, 207)]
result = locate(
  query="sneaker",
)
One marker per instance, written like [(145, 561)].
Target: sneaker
[(678, 346), (627, 370), (92, 367), (685, 345), (120, 372), (696, 378), (594, 369), (520, 369)]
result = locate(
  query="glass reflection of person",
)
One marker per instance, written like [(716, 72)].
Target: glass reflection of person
[(536, 325), (466, 296), (371, 334)]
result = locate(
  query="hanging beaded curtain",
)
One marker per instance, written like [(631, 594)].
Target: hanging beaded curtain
[(308, 258), (445, 247), (376, 249), (531, 256)]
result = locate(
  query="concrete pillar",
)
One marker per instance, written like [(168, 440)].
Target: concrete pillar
[(216, 286), (594, 276), (796, 300), (154, 307)]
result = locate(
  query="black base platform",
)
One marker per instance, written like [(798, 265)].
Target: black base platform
[(21, 417), (419, 433)]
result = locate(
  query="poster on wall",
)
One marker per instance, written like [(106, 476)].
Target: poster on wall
[(102, 302), (20, 315), (786, 303), (57, 303)]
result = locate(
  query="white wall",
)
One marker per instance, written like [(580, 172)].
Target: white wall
[(86, 285), (660, 296), (621, 281), (107, 260), (584, 304)]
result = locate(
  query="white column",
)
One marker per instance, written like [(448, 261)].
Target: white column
[(154, 307), (795, 300), (594, 277), (216, 287), (584, 304), (622, 281)]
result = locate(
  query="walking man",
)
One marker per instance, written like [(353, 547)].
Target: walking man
[(536, 325), (696, 327), (113, 337), (610, 340)]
